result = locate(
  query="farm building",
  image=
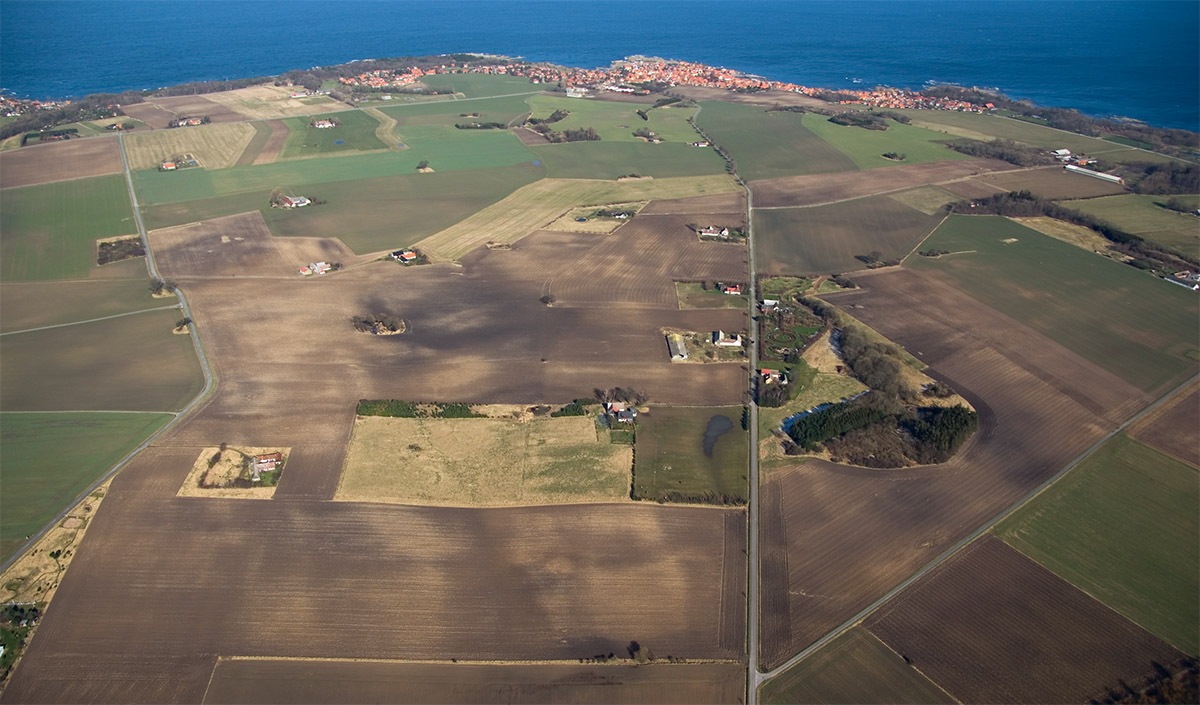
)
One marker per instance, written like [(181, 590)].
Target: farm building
[(267, 461), (1061, 153), (324, 124), (731, 289), (768, 305), (720, 338), (404, 256), (676, 346), (294, 201), (714, 230), (622, 413), (316, 268), (769, 375), (1095, 174)]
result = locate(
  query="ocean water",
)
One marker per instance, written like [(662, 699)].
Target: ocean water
[(1131, 58)]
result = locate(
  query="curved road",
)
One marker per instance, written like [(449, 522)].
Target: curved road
[(204, 367)]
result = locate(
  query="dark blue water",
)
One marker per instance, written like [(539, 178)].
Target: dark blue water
[(1134, 58)]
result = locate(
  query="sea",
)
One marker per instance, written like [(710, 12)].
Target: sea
[(1136, 59)]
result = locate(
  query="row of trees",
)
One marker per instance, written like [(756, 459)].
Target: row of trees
[(1004, 150)]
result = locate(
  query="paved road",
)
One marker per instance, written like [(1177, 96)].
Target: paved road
[(208, 377), (754, 678)]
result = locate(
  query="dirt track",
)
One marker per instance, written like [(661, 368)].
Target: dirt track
[(852, 534), (828, 188)]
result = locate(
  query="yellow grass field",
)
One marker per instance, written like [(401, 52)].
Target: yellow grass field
[(215, 146), (264, 102), (539, 204), (483, 462), (601, 226), (927, 199), (1077, 235)]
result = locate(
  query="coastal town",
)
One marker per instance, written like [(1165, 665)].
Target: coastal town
[(633, 73)]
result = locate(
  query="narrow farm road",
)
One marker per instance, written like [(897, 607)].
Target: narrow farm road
[(90, 320)]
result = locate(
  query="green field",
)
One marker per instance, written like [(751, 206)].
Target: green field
[(133, 363), (50, 229), (35, 304), (165, 215), (616, 122), (356, 133), (827, 239), (1146, 216), (445, 148), (611, 160), (479, 85), (988, 127), (866, 147), (822, 388), (1123, 319), (693, 295), (49, 459), (669, 455), (396, 211), (765, 145), (1124, 527), (854, 668), (262, 133), (505, 109)]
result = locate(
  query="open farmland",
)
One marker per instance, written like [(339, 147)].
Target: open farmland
[(960, 623), (640, 263), (159, 111), (853, 669), (539, 204), (446, 149), (431, 461), (1053, 183), (927, 199), (355, 132), (828, 239), (1080, 529), (132, 363), (45, 240), (615, 122), (238, 245), (271, 147), (1132, 324), (214, 146), (266, 102), (58, 161), (36, 304), (612, 160), (1174, 428), (504, 109), (768, 145), (691, 454), (989, 127), (867, 147), (50, 458), (818, 189), (835, 538), (1146, 216), (371, 215), (248, 681), (540, 583)]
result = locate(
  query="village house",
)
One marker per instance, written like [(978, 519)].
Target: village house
[(731, 289), (622, 413), (769, 376)]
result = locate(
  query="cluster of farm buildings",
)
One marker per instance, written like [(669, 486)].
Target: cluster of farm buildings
[(637, 70)]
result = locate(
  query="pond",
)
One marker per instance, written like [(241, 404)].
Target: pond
[(717, 426)]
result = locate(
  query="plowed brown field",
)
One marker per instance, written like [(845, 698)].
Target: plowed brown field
[(836, 538), (239, 246), (817, 189), (170, 583), (991, 626), (258, 681), (59, 161), (1174, 428), (722, 203)]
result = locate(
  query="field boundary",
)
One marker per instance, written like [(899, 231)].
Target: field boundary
[(90, 320), (386, 132), (982, 530)]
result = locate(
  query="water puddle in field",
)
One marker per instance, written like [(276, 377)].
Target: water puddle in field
[(717, 427)]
